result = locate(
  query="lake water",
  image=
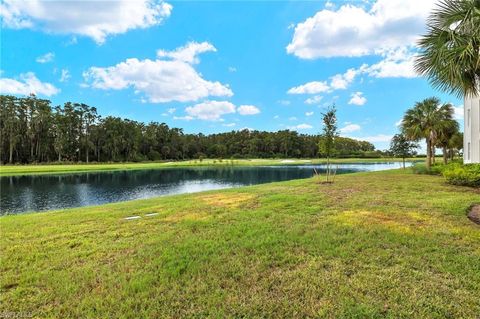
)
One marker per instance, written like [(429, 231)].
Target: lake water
[(19, 194)]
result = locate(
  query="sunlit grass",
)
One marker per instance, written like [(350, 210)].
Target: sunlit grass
[(372, 245)]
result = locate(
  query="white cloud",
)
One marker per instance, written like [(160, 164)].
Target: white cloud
[(308, 113), (298, 127), (159, 80), (64, 76), (27, 84), (399, 122), (284, 102), (47, 57), (214, 110), (210, 110), (459, 113), (232, 69), (187, 53), (329, 5), (341, 81), (248, 110), (349, 128), (276, 117), (375, 138), (183, 118), (355, 31), (337, 82), (314, 100), (310, 88), (395, 64), (96, 20), (229, 124), (169, 111), (357, 98), (292, 118)]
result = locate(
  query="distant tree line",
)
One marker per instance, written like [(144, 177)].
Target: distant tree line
[(34, 131)]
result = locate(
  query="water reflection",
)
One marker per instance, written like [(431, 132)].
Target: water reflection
[(46, 192)]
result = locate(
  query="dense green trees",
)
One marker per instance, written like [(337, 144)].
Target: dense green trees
[(34, 131)]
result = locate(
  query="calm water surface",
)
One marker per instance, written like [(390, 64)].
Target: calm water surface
[(21, 194)]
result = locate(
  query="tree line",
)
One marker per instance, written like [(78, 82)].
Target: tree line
[(33, 131)]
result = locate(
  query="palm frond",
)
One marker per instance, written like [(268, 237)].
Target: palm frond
[(450, 51)]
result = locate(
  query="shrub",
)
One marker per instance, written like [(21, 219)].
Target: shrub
[(464, 175), (421, 168), (154, 155)]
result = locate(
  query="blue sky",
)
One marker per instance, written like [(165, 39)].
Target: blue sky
[(216, 66)]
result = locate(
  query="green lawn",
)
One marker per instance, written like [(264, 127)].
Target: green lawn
[(372, 245), (9, 170)]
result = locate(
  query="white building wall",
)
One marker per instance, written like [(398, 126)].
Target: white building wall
[(471, 136)]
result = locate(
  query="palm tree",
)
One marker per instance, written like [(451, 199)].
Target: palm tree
[(448, 128), (449, 55), (427, 119)]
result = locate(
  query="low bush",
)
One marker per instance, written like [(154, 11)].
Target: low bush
[(421, 168), (464, 175)]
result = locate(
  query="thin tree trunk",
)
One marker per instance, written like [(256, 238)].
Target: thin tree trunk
[(403, 162), (328, 168), (433, 154), (37, 151), (32, 148), (428, 162), (445, 156), (10, 158)]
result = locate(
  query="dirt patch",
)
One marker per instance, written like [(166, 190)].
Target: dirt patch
[(9, 286), (228, 200), (474, 213), (404, 223), (338, 195)]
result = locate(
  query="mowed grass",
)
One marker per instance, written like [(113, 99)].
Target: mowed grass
[(373, 245), (10, 170)]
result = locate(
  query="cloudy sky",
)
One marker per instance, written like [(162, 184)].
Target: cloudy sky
[(214, 66)]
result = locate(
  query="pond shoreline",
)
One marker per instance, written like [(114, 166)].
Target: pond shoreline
[(44, 192), (13, 170)]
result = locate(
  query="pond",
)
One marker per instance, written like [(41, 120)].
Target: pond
[(28, 193)]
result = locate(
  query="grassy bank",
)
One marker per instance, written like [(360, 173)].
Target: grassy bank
[(373, 245), (10, 170)]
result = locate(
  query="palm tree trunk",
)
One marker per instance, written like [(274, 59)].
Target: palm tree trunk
[(445, 155), (433, 154)]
